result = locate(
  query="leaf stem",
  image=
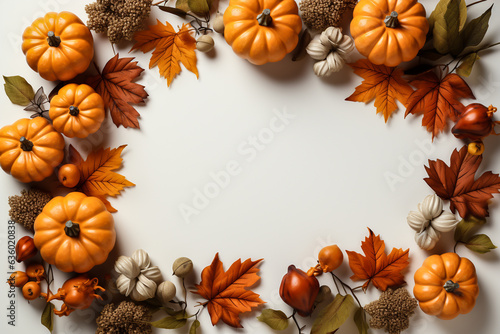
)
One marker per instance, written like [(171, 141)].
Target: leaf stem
[(347, 286), (475, 3), (296, 322)]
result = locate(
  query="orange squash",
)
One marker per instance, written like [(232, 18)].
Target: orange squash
[(389, 32), (446, 285), (262, 31), (30, 149), (58, 46), (77, 111), (75, 232)]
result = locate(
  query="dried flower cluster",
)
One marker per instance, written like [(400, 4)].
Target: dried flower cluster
[(392, 310), (25, 208), (126, 318), (321, 14), (120, 19)]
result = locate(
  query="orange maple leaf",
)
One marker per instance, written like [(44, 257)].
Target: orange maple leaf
[(457, 183), (438, 99), (382, 83), (226, 292), (170, 48), (118, 91), (97, 176), (376, 267)]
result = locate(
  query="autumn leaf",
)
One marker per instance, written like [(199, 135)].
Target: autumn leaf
[(97, 176), (437, 99), (382, 83), (170, 49), (377, 267), (115, 85), (225, 291), (457, 183)]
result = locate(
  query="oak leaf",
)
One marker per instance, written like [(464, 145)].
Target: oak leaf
[(170, 48), (225, 291), (382, 83), (97, 176), (437, 99), (115, 85), (457, 183), (376, 267)]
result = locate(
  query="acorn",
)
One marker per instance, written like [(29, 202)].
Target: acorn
[(475, 122), (205, 43), (25, 249)]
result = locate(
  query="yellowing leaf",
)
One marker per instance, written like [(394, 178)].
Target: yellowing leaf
[(382, 83), (446, 30), (170, 49), (467, 64), (333, 315), (18, 90), (97, 176)]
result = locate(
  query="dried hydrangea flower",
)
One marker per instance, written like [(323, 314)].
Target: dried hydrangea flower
[(120, 19), (321, 14), (25, 208), (392, 311), (126, 318)]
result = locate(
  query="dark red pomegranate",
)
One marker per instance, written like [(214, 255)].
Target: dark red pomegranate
[(475, 122)]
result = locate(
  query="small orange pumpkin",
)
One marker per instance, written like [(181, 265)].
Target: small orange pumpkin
[(58, 46), (77, 111), (389, 32), (75, 232), (262, 31), (30, 149), (446, 285)]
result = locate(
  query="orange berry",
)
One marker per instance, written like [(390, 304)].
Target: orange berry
[(18, 279), (330, 258), (31, 290), (475, 148), (69, 175), (35, 271)]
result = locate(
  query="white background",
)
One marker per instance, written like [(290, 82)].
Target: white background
[(321, 180)]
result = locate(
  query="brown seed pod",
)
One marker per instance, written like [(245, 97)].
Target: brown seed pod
[(182, 267), (25, 249), (475, 122)]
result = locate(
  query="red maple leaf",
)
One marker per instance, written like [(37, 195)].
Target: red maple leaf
[(457, 183), (438, 99), (376, 267)]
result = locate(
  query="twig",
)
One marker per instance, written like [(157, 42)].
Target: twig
[(347, 286), (475, 3), (296, 323)]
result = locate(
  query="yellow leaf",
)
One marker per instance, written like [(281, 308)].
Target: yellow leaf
[(170, 49)]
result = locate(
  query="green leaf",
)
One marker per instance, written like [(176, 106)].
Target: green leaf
[(275, 319), (463, 13), (480, 243), (182, 5), (360, 321), (18, 90), (194, 327), (467, 64), (48, 316), (170, 322), (333, 315), (474, 31), (450, 22), (438, 12), (199, 7), (466, 227)]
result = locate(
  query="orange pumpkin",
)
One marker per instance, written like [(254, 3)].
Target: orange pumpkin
[(446, 285), (30, 149), (58, 46), (262, 31), (74, 232), (77, 111), (389, 32)]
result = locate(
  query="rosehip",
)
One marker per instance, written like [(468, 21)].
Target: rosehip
[(69, 175), (330, 258), (299, 290), (31, 290), (18, 279), (475, 148), (475, 122), (25, 249)]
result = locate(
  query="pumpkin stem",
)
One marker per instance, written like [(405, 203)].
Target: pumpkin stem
[(26, 145), (265, 18), (72, 229), (391, 21), (74, 111), (451, 286), (52, 39)]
